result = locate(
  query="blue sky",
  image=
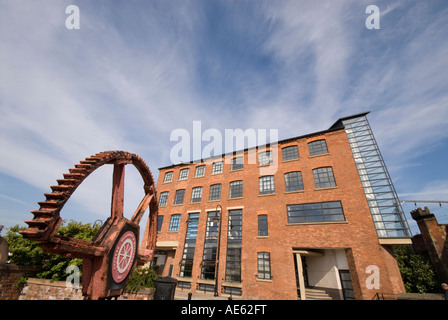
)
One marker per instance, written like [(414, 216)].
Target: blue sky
[(137, 70)]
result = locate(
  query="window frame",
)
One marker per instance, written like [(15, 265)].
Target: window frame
[(213, 192), (217, 167), (264, 159), (162, 194), (196, 194), (174, 222), (316, 212), (169, 175), (289, 182), (287, 155), (264, 183), (234, 165), (317, 147), (199, 169), (263, 227), (176, 196), (324, 177), (183, 176), (264, 265), (235, 186)]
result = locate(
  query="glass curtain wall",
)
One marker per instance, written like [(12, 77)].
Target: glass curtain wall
[(234, 235), (210, 244), (186, 266), (381, 196)]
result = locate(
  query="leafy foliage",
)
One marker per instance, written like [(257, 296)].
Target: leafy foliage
[(141, 278), (417, 273), (26, 252)]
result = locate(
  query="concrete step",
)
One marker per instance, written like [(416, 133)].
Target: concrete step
[(316, 294)]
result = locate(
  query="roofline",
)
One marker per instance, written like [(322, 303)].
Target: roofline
[(335, 127), (338, 123)]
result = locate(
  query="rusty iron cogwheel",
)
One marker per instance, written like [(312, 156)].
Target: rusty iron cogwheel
[(47, 219)]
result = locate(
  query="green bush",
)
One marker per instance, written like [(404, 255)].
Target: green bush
[(141, 278), (417, 272)]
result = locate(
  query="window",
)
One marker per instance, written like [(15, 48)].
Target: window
[(183, 174), (200, 171), (186, 264), (159, 223), (267, 185), (262, 225), (234, 236), (215, 192), (315, 212), (236, 189), (174, 223), (196, 194), (237, 163), (210, 244), (324, 177), (290, 153), (265, 158), (179, 198), (293, 181), (168, 177), (264, 265), (346, 284), (317, 147), (163, 199), (217, 167)]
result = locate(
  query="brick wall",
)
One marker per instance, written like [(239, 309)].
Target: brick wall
[(356, 235), (10, 274), (43, 289)]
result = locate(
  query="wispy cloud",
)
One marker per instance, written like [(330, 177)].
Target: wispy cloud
[(132, 74)]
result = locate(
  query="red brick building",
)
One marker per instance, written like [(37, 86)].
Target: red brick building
[(321, 224)]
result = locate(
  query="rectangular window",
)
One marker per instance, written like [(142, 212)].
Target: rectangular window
[(186, 264), (210, 244), (217, 167), (215, 192), (236, 189), (196, 194), (234, 236), (159, 223), (174, 223), (262, 225), (346, 284), (315, 212), (168, 177), (290, 153), (163, 198), (324, 177), (237, 163), (183, 174), (267, 185), (264, 265), (293, 181), (179, 197), (317, 147), (200, 171), (265, 158)]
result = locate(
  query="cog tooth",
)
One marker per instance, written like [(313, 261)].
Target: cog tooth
[(61, 188)]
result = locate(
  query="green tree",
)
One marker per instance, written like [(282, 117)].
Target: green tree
[(417, 272), (27, 252)]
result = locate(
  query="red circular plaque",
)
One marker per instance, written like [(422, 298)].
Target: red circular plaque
[(123, 257)]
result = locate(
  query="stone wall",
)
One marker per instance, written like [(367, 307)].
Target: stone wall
[(10, 276), (43, 289)]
